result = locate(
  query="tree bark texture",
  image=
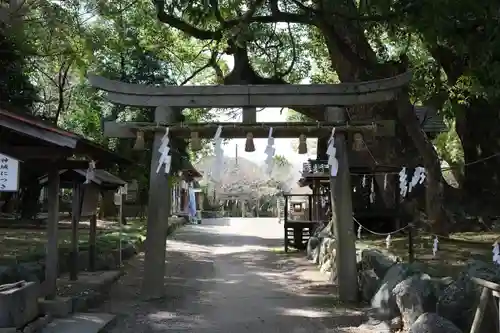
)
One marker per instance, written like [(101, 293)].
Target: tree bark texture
[(478, 127)]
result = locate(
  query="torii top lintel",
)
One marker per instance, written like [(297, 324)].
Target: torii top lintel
[(221, 96)]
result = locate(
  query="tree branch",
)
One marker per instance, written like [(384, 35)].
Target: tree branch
[(183, 26), (248, 17)]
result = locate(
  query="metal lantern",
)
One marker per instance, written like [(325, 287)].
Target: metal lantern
[(249, 145)]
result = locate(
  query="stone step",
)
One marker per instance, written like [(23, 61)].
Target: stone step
[(80, 323)]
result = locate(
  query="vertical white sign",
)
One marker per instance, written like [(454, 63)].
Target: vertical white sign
[(9, 174)]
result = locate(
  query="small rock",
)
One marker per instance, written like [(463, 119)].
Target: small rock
[(376, 325), (396, 324), (326, 266), (433, 323)]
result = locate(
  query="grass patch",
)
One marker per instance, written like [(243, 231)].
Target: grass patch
[(281, 250), (452, 255), (24, 244)]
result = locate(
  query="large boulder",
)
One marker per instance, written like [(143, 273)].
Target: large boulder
[(313, 249), (326, 254), (368, 283), (433, 323), (415, 296), (384, 300), (458, 301), (376, 260)]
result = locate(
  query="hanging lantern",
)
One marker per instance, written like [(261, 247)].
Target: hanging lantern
[(302, 144), (249, 145), (195, 141), (139, 141), (357, 142)]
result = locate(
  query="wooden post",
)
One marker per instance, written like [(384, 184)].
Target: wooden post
[(51, 260), (411, 252), (249, 116), (345, 238), (121, 219), (92, 242), (481, 309), (158, 210), (75, 219), (285, 221), (310, 203)]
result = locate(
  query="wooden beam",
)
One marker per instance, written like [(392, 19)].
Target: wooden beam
[(158, 210), (232, 90), (344, 271), (343, 94), (26, 153), (255, 100), (239, 130), (52, 255)]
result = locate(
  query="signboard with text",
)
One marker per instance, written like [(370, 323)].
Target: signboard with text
[(9, 174)]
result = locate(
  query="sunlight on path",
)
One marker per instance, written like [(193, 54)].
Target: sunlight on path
[(225, 276)]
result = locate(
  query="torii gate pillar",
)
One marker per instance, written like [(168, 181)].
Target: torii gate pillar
[(159, 205), (344, 271)]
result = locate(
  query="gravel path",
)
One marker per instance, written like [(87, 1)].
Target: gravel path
[(227, 276)]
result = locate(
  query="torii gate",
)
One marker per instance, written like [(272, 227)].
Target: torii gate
[(332, 97)]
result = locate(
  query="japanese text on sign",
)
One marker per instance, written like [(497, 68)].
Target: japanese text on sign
[(9, 174)]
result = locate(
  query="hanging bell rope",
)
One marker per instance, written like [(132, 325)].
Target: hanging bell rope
[(139, 141), (195, 141), (302, 144), (249, 145)]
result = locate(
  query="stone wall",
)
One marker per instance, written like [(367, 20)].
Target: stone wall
[(321, 249), (403, 296)]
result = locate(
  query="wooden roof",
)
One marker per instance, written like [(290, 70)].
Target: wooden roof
[(25, 137), (189, 171), (101, 178)]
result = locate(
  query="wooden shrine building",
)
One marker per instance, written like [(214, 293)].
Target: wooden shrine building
[(43, 149), (87, 199), (186, 177)]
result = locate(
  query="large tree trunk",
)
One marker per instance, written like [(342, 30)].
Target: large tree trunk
[(354, 60), (478, 127)]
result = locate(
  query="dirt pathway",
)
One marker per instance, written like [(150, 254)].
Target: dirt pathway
[(226, 276)]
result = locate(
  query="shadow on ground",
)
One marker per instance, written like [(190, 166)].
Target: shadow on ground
[(219, 281)]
